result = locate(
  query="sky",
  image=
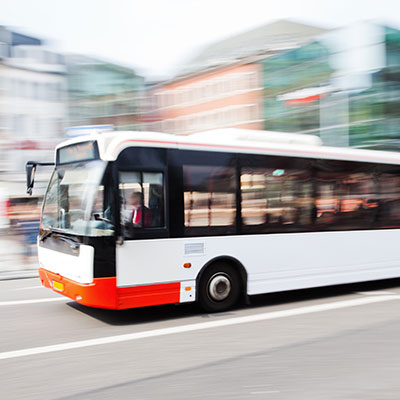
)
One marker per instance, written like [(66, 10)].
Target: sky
[(156, 36)]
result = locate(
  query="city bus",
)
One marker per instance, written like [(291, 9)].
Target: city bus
[(134, 219)]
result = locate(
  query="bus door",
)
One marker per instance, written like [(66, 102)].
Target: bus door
[(144, 254)]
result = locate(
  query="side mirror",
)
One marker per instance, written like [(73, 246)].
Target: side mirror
[(30, 176)]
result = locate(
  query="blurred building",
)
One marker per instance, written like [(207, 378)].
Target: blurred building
[(226, 97), (32, 106), (223, 86), (150, 115), (103, 93), (344, 86)]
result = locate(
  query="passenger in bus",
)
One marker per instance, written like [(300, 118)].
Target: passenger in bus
[(141, 215)]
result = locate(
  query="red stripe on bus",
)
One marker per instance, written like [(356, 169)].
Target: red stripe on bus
[(101, 293), (104, 293), (149, 295)]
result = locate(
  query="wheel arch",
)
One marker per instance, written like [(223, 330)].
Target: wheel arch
[(232, 261)]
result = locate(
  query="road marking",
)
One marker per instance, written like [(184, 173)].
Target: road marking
[(195, 327), (257, 386), (376, 293), (266, 392), (30, 287), (18, 302)]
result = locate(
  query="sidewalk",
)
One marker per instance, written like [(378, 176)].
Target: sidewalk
[(13, 263)]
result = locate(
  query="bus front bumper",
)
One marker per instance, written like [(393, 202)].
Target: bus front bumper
[(102, 293)]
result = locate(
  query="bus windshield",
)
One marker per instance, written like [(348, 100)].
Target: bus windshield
[(76, 201)]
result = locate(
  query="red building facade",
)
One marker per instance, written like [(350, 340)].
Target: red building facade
[(224, 97)]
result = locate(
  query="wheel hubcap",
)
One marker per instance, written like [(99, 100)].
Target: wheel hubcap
[(219, 287)]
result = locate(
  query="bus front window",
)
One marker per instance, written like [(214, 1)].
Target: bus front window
[(76, 201)]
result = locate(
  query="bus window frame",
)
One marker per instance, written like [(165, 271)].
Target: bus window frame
[(145, 232), (207, 159), (129, 163), (136, 158)]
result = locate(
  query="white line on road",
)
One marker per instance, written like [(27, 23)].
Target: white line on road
[(196, 327), (257, 386), (18, 302), (376, 293), (30, 287), (266, 392)]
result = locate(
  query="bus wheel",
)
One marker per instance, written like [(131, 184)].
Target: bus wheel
[(219, 288)]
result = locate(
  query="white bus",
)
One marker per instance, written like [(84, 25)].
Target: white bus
[(134, 219)]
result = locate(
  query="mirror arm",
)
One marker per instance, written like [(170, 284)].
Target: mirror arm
[(30, 173)]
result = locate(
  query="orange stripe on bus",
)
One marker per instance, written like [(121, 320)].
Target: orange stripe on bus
[(101, 293), (104, 293), (149, 295)]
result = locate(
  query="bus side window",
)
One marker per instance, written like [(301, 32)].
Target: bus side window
[(254, 200), (345, 199), (209, 196), (156, 203), (389, 200), (276, 198), (326, 201), (358, 205), (142, 200)]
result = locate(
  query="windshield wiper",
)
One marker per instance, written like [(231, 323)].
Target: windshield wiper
[(45, 235), (72, 243)]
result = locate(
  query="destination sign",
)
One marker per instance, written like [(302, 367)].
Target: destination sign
[(84, 151)]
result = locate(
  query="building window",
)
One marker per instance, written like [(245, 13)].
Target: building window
[(252, 80), (253, 112)]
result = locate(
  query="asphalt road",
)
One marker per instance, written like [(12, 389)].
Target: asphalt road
[(322, 344)]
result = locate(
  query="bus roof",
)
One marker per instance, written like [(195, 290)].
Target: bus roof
[(235, 141)]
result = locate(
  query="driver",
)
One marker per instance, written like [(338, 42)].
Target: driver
[(141, 215)]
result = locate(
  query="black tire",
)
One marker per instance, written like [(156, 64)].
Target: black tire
[(219, 288)]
